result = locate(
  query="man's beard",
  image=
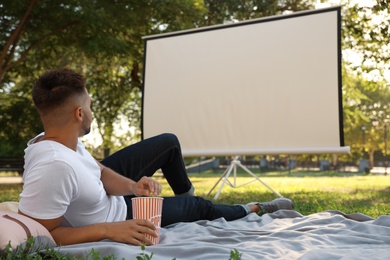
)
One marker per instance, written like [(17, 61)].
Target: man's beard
[(87, 130)]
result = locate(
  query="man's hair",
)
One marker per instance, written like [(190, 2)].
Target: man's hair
[(55, 87)]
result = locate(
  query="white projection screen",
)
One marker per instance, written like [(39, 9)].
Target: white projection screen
[(264, 86)]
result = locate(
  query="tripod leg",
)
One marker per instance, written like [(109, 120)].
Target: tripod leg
[(257, 178), (224, 180), (215, 185)]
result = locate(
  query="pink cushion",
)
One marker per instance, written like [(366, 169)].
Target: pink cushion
[(16, 229)]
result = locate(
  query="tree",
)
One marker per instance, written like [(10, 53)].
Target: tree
[(103, 39), (368, 104), (46, 27), (377, 111), (228, 11), (36, 35), (84, 35), (16, 112), (115, 81), (366, 32), (366, 91)]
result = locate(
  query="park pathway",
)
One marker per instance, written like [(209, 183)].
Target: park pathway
[(18, 179), (11, 180)]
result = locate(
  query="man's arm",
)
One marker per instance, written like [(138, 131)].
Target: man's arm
[(116, 184), (129, 231)]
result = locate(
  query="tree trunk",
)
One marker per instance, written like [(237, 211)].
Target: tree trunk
[(371, 156)]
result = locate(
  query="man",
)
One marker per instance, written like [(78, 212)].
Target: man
[(79, 199)]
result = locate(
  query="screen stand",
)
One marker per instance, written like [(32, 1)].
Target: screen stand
[(233, 167)]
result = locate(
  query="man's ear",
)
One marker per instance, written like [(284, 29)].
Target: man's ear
[(79, 113)]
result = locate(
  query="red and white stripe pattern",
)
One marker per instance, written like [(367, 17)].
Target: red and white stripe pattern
[(149, 208)]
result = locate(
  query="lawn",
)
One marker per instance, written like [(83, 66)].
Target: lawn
[(311, 192)]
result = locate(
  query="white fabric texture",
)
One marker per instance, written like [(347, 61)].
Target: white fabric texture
[(285, 234), (60, 182)]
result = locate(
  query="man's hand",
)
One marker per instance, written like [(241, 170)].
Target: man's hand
[(132, 231), (145, 186), (129, 231)]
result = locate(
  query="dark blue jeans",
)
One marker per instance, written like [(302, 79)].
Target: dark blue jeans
[(163, 152)]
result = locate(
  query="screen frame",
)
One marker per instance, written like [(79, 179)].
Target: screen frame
[(309, 150)]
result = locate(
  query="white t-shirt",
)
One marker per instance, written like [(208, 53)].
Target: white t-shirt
[(61, 182)]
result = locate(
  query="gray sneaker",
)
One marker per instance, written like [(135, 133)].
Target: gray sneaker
[(276, 204)]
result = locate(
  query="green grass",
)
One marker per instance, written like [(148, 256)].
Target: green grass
[(311, 192), (349, 193), (10, 192)]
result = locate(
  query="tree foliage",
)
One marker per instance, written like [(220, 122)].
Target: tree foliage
[(103, 40), (366, 32), (367, 112), (366, 91), (220, 12)]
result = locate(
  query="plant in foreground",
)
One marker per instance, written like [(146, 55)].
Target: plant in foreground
[(22, 252), (235, 255), (143, 255)]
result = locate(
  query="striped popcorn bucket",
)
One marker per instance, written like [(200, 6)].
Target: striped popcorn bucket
[(149, 208)]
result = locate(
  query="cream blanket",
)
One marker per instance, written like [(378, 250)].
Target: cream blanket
[(281, 235)]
